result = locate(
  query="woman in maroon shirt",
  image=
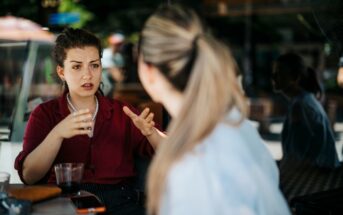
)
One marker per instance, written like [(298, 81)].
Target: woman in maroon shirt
[(86, 127)]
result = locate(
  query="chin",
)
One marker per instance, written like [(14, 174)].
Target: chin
[(86, 94)]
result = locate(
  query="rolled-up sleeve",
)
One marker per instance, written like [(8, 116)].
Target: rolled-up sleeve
[(37, 129)]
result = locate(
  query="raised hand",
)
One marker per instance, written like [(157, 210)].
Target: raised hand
[(76, 123), (144, 122)]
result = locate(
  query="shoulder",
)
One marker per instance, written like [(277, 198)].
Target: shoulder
[(239, 149), (212, 188), (306, 100), (48, 107), (307, 105), (225, 146), (45, 115)]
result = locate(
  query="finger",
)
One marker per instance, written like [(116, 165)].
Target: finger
[(83, 125), (144, 113), (82, 131), (149, 117), (129, 113), (82, 118), (79, 112), (152, 123)]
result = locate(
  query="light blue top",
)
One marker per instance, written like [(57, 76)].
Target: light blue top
[(307, 135), (230, 172)]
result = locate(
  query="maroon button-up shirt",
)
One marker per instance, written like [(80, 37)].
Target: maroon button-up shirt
[(108, 156)]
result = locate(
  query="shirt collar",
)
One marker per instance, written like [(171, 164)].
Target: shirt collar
[(105, 107)]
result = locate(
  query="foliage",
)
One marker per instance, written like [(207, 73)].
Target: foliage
[(70, 6)]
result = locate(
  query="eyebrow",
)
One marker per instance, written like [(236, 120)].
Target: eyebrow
[(92, 61), (75, 61), (95, 60)]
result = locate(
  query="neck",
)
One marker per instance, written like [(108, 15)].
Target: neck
[(292, 92), (83, 102), (172, 101)]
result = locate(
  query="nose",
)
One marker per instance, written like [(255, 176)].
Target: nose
[(87, 74)]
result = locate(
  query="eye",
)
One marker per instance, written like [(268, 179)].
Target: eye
[(95, 65), (76, 67)]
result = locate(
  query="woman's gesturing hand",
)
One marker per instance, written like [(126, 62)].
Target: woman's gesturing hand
[(144, 122), (76, 123)]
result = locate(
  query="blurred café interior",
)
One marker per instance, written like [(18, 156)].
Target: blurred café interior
[(257, 31)]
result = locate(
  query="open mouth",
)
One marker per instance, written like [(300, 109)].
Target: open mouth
[(87, 86)]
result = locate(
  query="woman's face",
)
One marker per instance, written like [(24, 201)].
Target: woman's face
[(82, 71)]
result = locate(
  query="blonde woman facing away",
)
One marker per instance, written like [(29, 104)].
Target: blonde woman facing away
[(214, 161)]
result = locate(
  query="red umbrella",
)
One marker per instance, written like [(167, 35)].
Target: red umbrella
[(14, 28)]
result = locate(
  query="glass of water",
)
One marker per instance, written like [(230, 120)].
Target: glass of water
[(4, 181)]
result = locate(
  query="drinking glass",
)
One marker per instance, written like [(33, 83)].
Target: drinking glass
[(69, 176), (4, 181)]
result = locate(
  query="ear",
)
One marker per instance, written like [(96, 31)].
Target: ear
[(60, 72), (152, 72), (147, 71)]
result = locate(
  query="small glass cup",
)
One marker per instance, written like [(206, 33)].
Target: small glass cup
[(69, 176), (4, 181)]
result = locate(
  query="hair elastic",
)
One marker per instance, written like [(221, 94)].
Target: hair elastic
[(196, 38)]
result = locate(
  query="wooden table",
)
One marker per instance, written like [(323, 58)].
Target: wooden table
[(59, 205), (56, 206)]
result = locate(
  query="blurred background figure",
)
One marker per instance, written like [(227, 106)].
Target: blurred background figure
[(129, 53), (113, 63), (340, 72), (307, 137)]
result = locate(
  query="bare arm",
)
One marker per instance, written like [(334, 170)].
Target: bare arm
[(39, 161), (156, 137)]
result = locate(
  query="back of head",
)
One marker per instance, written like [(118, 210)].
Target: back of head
[(74, 38), (200, 67), (293, 66), (167, 41)]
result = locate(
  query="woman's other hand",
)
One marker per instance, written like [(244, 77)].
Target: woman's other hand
[(144, 122)]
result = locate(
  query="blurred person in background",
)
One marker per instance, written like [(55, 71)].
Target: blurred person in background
[(214, 161), (129, 53), (307, 136), (113, 63), (83, 126)]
